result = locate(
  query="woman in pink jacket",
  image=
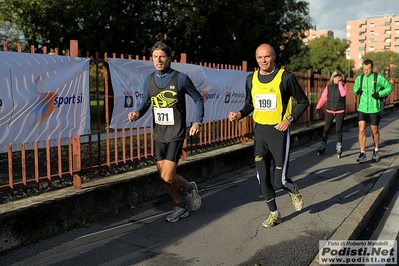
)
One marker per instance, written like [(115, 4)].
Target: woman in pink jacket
[(334, 94)]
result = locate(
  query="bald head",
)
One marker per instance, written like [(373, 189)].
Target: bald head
[(265, 56), (265, 46)]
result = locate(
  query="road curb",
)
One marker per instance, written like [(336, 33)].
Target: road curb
[(357, 221)]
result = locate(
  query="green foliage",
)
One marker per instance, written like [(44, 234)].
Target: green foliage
[(385, 62), (300, 62), (206, 30), (8, 32), (83, 224), (328, 54)]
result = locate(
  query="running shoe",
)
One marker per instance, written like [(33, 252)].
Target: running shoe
[(273, 220), (297, 199), (375, 156), (338, 148), (194, 198), (177, 213), (362, 157)]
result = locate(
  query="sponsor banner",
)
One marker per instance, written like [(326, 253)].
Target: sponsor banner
[(43, 97), (223, 90), (365, 252)]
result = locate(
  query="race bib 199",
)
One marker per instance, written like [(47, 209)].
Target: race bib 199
[(265, 102)]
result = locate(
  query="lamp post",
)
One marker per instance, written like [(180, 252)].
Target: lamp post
[(349, 70), (349, 62)]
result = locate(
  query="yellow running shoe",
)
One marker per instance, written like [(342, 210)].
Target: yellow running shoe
[(273, 220), (297, 199)]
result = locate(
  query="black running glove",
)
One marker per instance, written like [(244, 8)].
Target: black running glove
[(359, 91), (376, 96)]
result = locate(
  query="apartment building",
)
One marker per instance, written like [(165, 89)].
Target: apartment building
[(374, 34), (313, 34)]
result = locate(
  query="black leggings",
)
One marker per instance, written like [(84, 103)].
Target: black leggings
[(339, 118), (272, 144)]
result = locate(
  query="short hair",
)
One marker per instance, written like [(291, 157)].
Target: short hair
[(266, 44), (163, 47), (368, 62)]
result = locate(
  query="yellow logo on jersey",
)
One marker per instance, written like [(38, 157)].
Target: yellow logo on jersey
[(258, 158), (164, 99)]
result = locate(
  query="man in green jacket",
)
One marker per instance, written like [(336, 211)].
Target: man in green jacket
[(371, 90)]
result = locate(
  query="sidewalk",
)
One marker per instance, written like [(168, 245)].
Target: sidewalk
[(340, 198)]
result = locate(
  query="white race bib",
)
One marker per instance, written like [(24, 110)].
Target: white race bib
[(164, 116), (265, 102)]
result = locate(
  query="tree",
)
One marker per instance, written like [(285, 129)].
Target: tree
[(385, 62), (207, 30), (327, 54), (300, 62), (8, 32)]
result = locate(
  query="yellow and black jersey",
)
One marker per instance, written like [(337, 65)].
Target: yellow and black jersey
[(269, 97)]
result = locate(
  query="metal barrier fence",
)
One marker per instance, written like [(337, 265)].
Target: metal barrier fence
[(33, 168)]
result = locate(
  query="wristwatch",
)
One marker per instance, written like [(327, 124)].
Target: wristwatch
[(290, 118)]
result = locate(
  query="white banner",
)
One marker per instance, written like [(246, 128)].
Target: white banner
[(223, 90), (43, 97)]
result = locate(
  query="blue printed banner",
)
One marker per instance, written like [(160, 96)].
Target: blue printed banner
[(223, 90)]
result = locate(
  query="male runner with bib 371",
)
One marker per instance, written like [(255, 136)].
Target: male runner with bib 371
[(165, 91)]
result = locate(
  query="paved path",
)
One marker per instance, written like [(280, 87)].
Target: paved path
[(340, 196)]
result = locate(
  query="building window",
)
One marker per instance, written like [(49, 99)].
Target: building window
[(388, 32), (361, 41), (372, 24), (371, 48), (387, 47), (362, 25), (348, 27), (396, 39), (387, 23), (397, 31), (372, 32), (387, 39), (361, 48), (371, 40), (397, 22), (396, 47)]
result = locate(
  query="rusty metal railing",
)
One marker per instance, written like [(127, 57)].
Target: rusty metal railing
[(32, 168)]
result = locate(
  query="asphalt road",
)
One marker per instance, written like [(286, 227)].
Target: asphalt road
[(227, 229)]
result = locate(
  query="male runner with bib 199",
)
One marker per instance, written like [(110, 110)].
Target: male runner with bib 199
[(269, 93)]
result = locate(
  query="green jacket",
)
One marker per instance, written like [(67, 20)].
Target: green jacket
[(367, 104)]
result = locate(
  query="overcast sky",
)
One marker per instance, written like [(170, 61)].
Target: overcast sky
[(333, 14)]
